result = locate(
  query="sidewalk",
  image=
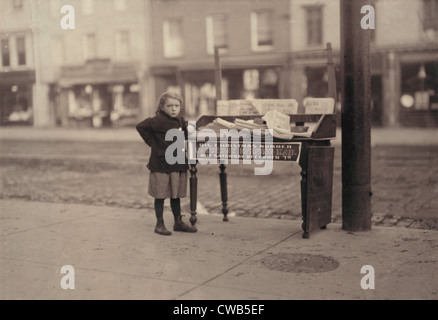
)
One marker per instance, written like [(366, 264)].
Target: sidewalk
[(116, 255)]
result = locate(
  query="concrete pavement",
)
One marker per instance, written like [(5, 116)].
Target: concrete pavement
[(116, 255)]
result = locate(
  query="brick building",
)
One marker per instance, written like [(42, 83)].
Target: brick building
[(405, 63), (254, 41), (122, 54), (18, 87), (86, 60), (275, 49), (404, 56)]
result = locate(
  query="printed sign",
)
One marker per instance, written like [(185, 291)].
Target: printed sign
[(287, 151)]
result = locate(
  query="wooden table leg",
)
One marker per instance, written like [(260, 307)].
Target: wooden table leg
[(193, 193), (224, 194), (316, 186)]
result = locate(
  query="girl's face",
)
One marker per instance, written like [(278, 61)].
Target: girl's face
[(172, 107)]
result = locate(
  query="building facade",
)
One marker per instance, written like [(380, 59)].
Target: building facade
[(253, 39), (275, 49), (404, 56), (405, 63), (18, 77), (89, 59), (122, 54)]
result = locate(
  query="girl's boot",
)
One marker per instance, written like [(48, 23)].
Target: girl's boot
[(181, 226), (161, 229)]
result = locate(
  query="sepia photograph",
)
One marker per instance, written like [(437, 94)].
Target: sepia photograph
[(216, 156)]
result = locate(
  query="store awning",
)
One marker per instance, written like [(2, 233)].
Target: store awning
[(97, 79), (227, 62), (10, 78), (98, 72)]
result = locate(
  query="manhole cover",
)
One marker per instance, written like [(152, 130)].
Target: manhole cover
[(299, 262)]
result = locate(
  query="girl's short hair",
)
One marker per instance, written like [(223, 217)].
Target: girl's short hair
[(166, 95)]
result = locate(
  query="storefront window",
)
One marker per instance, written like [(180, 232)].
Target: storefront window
[(125, 104), (16, 104), (420, 82), (317, 81), (419, 94)]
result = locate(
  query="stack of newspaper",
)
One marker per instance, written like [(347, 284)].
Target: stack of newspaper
[(248, 124), (275, 120), (218, 124), (279, 123)]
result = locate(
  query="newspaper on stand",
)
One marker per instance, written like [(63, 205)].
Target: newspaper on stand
[(255, 107), (279, 123)]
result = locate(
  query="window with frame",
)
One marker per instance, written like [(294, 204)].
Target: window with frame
[(314, 25), (217, 33), (6, 58), (120, 5), (17, 4), (262, 35), (430, 21), (87, 7), (173, 38), (21, 50), (55, 8), (123, 44), (58, 51), (89, 46)]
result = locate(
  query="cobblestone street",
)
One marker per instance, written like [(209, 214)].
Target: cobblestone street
[(113, 173)]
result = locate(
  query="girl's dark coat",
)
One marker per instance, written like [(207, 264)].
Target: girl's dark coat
[(153, 131)]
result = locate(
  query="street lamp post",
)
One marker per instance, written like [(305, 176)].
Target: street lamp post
[(356, 118)]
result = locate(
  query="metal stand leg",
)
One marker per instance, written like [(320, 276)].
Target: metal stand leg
[(224, 195), (304, 225), (193, 193)]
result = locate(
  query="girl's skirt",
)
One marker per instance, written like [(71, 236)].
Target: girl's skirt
[(168, 185)]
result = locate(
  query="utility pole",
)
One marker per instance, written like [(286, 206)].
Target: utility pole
[(356, 118)]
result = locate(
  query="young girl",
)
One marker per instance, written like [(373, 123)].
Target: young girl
[(165, 180)]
